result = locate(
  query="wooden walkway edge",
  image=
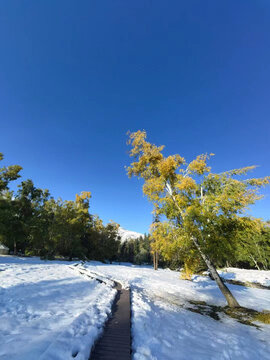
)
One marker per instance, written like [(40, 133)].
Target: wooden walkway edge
[(115, 342)]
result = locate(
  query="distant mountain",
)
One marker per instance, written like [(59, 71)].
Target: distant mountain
[(127, 234)]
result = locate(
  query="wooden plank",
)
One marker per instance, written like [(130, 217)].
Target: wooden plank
[(115, 343)]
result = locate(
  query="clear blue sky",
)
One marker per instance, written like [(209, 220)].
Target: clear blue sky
[(76, 75)]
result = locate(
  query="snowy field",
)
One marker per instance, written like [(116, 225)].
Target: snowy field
[(48, 311), (163, 329), (262, 277), (51, 312)]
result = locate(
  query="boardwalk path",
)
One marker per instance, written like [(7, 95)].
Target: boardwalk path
[(115, 341), (114, 344)]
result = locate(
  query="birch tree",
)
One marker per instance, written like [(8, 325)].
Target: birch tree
[(202, 208)]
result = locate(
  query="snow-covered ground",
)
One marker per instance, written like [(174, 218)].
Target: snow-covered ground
[(51, 312), (262, 277), (162, 329)]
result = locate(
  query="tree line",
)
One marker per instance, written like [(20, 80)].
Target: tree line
[(32, 222)]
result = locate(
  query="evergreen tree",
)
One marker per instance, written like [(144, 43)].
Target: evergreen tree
[(9, 224)]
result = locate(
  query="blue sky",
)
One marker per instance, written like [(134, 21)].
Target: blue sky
[(75, 76)]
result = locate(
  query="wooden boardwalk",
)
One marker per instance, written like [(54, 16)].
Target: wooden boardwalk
[(114, 343)]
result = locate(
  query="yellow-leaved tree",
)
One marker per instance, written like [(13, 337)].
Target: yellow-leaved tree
[(202, 208)]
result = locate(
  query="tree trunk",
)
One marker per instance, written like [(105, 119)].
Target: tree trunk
[(223, 288), (155, 260), (262, 256), (232, 302), (15, 247), (255, 262)]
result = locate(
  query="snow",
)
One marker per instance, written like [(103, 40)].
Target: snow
[(48, 311), (3, 247), (127, 234), (262, 277), (164, 329)]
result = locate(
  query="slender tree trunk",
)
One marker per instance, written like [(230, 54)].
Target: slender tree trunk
[(15, 247), (255, 262), (264, 265), (262, 256), (155, 260), (232, 302)]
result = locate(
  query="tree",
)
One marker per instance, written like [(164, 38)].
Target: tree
[(202, 208), (110, 241), (8, 174), (9, 225), (37, 224), (70, 225), (29, 207), (155, 242), (253, 245)]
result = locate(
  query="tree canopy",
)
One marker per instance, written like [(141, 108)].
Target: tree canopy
[(202, 210)]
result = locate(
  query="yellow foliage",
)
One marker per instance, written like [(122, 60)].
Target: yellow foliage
[(241, 171), (191, 265), (186, 184), (187, 201), (263, 317), (98, 223), (148, 155), (199, 166), (181, 200), (85, 195), (167, 166), (187, 273), (153, 187), (259, 181)]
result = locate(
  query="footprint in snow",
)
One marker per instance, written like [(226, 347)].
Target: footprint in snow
[(167, 343)]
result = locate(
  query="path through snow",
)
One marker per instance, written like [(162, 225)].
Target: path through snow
[(163, 330), (49, 312)]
